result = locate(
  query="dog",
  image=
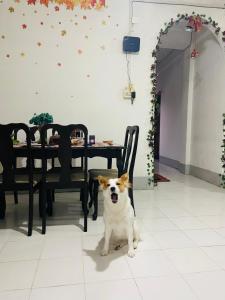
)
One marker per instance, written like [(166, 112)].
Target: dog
[(118, 214)]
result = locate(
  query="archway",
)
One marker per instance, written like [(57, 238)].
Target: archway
[(213, 27)]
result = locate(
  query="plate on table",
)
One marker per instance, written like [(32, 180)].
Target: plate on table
[(108, 142)]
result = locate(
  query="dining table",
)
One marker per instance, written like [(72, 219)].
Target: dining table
[(109, 152)]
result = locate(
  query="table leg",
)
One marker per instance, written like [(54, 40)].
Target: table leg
[(119, 164), (109, 163), (2, 205)]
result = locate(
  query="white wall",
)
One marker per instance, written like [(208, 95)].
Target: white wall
[(208, 103), (34, 82), (173, 83)]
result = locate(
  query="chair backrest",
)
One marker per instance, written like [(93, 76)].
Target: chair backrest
[(33, 130), (7, 153), (64, 151), (130, 150)]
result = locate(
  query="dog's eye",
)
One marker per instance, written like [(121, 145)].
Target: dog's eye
[(117, 183), (108, 184)]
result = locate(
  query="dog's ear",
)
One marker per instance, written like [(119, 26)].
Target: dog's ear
[(103, 181), (125, 178)]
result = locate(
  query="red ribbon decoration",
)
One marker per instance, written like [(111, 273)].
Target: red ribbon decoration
[(195, 22)]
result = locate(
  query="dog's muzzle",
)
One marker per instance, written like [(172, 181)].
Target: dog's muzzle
[(114, 197)]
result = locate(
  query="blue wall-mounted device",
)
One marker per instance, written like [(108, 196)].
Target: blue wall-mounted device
[(131, 44)]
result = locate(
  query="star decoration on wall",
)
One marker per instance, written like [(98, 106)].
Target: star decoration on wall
[(24, 26), (11, 9), (63, 32)]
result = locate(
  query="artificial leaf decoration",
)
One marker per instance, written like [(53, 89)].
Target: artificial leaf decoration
[(44, 2), (31, 2), (71, 4)]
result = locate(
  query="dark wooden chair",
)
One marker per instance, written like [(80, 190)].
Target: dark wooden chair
[(33, 130), (10, 180), (128, 161), (64, 176)]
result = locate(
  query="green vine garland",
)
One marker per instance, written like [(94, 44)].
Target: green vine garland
[(153, 77)]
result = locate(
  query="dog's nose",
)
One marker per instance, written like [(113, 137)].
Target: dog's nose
[(112, 189)]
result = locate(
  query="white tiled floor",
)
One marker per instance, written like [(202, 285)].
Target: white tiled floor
[(181, 255)]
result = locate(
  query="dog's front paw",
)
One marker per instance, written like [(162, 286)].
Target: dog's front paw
[(104, 252), (131, 253), (135, 244)]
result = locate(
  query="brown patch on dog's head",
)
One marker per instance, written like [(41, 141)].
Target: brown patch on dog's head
[(123, 182), (103, 182)]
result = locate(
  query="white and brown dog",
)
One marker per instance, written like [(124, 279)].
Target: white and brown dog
[(118, 213)]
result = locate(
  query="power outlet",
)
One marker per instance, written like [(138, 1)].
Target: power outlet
[(127, 91)]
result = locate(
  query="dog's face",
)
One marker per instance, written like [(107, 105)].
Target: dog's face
[(113, 188)]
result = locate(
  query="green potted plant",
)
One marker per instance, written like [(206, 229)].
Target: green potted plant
[(40, 120)]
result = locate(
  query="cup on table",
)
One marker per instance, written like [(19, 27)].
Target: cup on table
[(91, 139)]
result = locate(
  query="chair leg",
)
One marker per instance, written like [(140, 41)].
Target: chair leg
[(90, 188), (40, 203), (15, 197), (84, 203), (53, 195), (95, 200), (43, 208), (2, 205), (49, 203), (30, 217)]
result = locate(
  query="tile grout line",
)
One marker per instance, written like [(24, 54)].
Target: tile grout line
[(35, 273)]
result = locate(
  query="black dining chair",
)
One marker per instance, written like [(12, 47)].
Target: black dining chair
[(128, 162), (10, 180), (33, 130), (64, 176)]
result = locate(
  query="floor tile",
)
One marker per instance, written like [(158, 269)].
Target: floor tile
[(62, 247), (69, 292), (17, 275), (150, 213), (21, 250), (59, 271), (15, 295), (207, 285), (165, 288), (205, 237), (213, 221), (161, 224), (221, 231), (190, 260), (151, 263), (188, 223), (217, 254), (111, 290), (111, 267), (92, 243), (173, 239), (173, 211)]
